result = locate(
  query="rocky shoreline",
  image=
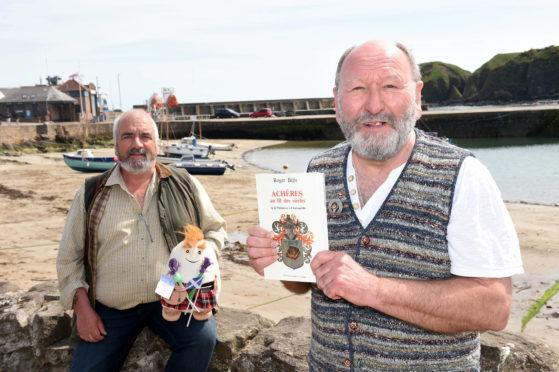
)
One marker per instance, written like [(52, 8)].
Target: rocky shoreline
[(36, 335)]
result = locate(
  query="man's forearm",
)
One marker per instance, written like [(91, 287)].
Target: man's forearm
[(80, 300), (447, 306), (89, 325)]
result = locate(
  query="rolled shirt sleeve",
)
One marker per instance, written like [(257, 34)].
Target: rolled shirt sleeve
[(69, 262), (482, 240), (211, 222)]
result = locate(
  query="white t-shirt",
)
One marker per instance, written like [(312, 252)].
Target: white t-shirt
[(482, 241)]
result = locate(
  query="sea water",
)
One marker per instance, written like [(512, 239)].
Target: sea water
[(525, 169)]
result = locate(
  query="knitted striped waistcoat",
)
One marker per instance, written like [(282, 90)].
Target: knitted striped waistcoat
[(406, 239)]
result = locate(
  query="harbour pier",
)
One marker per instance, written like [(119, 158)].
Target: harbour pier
[(519, 121)]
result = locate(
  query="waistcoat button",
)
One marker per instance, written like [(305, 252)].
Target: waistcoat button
[(353, 326), (366, 240), (347, 363)]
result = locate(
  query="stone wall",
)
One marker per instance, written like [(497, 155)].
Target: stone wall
[(463, 124), (35, 336), (247, 107), (16, 134), (491, 124)]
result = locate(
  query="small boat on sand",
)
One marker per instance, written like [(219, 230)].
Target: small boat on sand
[(192, 140), (83, 160), (192, 146), (177, 150), (203, 166)]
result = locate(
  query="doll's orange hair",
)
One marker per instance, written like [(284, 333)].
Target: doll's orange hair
[(193, 237)]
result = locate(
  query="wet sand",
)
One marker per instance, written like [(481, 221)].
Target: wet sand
[(37, 190)]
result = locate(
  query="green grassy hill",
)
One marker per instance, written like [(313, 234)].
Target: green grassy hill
[(442, 81), (512, 77)]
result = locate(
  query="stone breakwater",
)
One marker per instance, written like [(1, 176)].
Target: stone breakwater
[(481, 123), (35, 335)]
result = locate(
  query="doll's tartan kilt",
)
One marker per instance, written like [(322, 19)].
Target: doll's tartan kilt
[(206, 299)]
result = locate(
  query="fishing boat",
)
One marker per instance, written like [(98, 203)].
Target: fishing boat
[(83, 160), (192, 146), (192, 140), (202, 166), (177, 150)]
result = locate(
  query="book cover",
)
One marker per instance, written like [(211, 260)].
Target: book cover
[(292, 206)]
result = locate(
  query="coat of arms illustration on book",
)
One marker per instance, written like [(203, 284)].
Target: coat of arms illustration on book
[(292, 206)]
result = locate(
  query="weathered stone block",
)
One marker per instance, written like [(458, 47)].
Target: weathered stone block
[(277, 349), (505, 351), (50, 325), (235, 330)]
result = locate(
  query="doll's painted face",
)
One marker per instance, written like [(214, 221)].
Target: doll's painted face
[(194, 255), (189, 258)]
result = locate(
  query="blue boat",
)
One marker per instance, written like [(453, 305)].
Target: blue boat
[(85, 161)]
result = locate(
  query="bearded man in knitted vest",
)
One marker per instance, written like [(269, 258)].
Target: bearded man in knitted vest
[(422, 249)]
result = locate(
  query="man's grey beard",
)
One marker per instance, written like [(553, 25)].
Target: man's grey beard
[(378, 147), (136, 166)]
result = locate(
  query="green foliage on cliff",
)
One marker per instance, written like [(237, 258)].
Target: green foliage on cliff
[(442, 81), (512, 77)]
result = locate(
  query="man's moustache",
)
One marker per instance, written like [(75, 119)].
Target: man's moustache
[(137, 151), (375, 117)]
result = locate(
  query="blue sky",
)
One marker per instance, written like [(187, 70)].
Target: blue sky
[(219, 50)]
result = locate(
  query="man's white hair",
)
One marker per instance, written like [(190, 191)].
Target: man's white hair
[(416, 72), (119, 119)]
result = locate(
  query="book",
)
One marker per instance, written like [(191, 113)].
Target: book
[(292, 206)]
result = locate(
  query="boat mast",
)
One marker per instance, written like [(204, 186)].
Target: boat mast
[(166, 93), (82, 119)]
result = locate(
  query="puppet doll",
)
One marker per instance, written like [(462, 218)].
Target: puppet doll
[(195, 272)]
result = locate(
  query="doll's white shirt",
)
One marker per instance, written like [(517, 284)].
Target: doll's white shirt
[(482, 241)]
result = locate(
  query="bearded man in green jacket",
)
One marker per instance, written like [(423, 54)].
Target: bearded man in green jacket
[(115, 246)]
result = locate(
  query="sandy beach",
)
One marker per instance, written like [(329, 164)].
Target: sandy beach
[(37, 190)]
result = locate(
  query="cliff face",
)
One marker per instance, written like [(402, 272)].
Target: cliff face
[(484, 84), (513, 77), (443, 81)]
